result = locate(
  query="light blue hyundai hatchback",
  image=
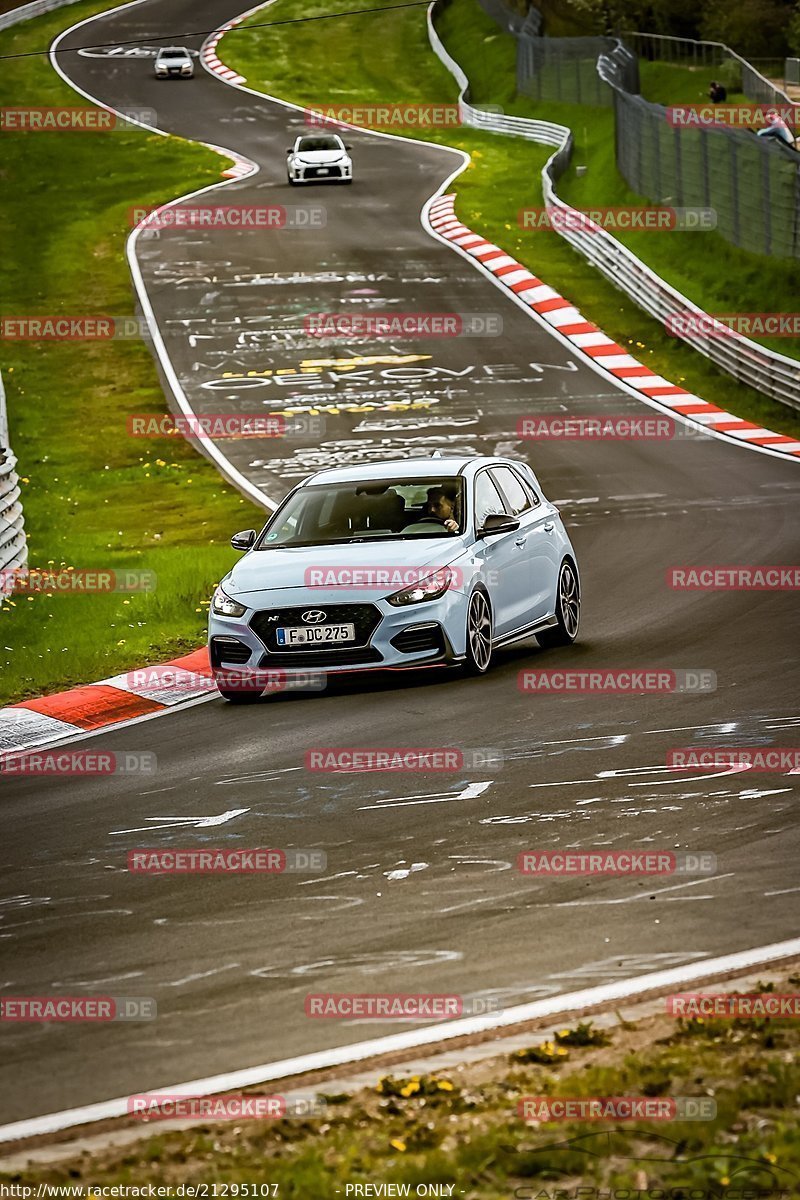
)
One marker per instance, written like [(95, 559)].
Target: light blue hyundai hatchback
[(393, 565)]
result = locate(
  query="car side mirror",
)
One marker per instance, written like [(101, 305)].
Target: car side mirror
[(348, 147), (244, 540), (498, 523), (289, 149)]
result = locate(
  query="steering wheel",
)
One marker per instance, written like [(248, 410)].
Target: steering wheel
[(432, 520)]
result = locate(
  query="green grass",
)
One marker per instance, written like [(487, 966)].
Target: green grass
[(94, 497), (676, 83), (387, 57), (463, 1128)]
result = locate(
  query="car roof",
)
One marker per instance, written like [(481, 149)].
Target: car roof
[(403, 468), (173, 50)]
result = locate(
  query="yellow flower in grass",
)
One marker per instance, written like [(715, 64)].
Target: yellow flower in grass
[(398, 1144)]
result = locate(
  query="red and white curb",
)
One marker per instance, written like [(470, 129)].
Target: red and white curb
[(209, 56), (120, 699), (241, 166), (210, 60), (588, 339)]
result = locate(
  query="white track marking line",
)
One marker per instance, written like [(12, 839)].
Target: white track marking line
[(225, 467), (619, 990)]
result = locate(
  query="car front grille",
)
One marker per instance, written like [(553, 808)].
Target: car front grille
[(322, 172), (419, 639), (365, 617)]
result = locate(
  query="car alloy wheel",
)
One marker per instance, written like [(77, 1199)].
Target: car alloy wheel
[(568, 610), (479, 634)]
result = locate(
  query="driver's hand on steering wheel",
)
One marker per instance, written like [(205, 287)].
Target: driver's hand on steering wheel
[(450, 525)]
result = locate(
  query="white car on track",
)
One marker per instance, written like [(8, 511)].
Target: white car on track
[(319, 158), (410, 563), (174, 62)]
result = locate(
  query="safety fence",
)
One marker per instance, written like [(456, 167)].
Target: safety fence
[(680, 155), (775, 375), (752, 183), (36, 9), (689, 52), (13, 546)]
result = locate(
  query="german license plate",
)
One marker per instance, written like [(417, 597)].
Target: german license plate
[(302, 635)]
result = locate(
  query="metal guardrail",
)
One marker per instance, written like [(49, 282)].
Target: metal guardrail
[(13, 545), (36, 9), (770, 373)]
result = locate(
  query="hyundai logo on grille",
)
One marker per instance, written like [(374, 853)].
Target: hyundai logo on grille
[(313, 616)]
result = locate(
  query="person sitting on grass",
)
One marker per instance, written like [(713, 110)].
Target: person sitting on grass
[(717, 93)]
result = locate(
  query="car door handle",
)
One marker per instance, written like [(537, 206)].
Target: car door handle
[(520, 541), (549, 526)]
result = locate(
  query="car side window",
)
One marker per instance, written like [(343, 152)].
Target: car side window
[(487, 499), (519, 498)]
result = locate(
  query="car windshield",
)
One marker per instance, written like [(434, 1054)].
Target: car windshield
[(318, 143), (375, 509), (172, 54)]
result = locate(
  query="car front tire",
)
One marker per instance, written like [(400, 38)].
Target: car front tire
[(479, 635), (568, 610)]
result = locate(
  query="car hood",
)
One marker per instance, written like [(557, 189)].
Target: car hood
[(323, 570), (319, 157)]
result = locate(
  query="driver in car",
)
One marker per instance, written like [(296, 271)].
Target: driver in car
[(440, 505)]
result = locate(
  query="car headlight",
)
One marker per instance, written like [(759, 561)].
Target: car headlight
[(225, 607), (431, 587)]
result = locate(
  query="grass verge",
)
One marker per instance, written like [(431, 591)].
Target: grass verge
[(94, 497), (386, 57), (465, 1127)]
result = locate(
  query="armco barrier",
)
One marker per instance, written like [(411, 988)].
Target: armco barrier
[(775, 375), (13, 546), (24, 13)]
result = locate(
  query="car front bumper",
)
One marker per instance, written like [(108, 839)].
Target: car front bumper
[(322, 174), (387, 638)]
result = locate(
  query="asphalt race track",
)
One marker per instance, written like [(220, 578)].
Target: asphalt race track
[(420, 892)]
